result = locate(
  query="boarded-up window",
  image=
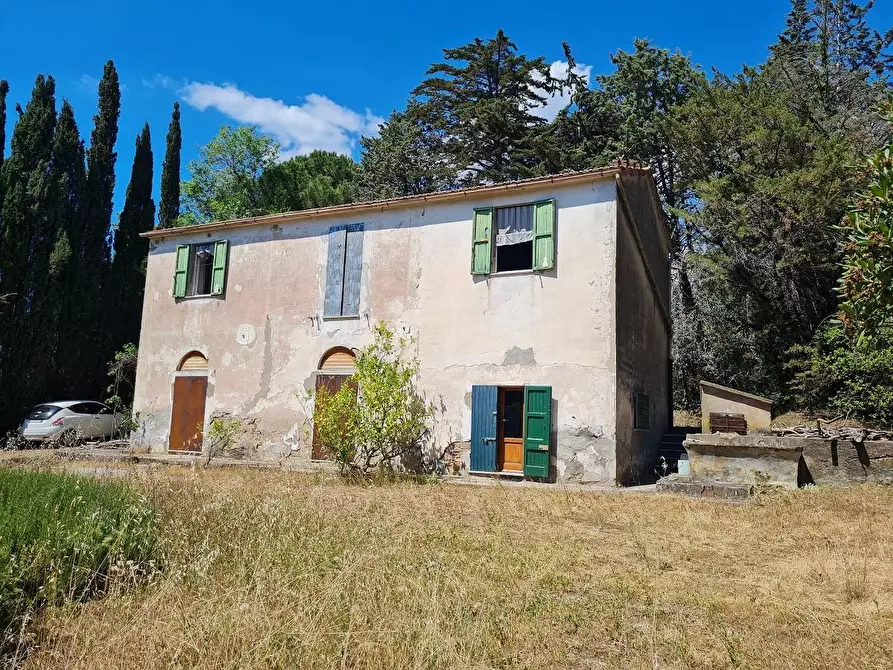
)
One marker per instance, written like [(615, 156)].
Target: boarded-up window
[(344, 271)]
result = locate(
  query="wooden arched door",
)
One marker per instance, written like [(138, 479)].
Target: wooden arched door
[(335, 369), (188, 407)]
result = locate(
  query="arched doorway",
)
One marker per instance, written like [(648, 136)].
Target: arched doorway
[(188, 407), (335, 368)]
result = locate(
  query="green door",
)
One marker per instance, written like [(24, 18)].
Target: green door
[(537, 430)]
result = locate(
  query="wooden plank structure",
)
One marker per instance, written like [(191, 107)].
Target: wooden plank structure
[(728, 422)]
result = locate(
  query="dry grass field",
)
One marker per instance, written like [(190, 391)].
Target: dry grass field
[(271, 570)]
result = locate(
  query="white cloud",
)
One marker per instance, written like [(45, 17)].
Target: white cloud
[(88, 82), (559, 100), (160, 81), (316, 123)]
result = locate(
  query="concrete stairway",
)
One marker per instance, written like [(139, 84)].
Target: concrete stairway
[(670, 449)]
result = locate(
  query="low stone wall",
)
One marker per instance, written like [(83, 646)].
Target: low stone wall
[(788, 462), (753, 460)]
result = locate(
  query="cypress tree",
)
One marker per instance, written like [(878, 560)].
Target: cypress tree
[(4, 89), (90, 316), (169, 208), (129, 264), (68, 179), (28, 234)]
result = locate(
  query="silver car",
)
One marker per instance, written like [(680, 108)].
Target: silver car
[(70, 420)]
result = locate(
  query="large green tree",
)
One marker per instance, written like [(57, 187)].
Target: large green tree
[(319, 179), (68, 179), (403, 159), (225, 178), (128, 274), (88, 338), (4, 89), (169, 207), (478, 105), (27, 240)]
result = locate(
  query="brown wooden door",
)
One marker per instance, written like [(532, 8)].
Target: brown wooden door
[(188, 415), (510, 448), (332, 383)]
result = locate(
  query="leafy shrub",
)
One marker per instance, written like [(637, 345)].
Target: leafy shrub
[(378, 416), (65, 538), (836, 375)]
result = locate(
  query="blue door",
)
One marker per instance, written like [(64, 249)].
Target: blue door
[(484, 403)]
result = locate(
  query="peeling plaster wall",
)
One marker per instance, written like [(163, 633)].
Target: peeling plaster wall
[(643, 335), (264, 339)]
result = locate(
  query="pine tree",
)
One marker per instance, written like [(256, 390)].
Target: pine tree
[(479, 106), (129, 264), (402, 160), (169, 207), (89, 314), (28, 236)]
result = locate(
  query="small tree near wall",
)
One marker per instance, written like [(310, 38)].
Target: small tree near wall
[(378, 416)]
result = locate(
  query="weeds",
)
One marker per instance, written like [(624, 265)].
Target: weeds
[(64, 539), (266, 569)]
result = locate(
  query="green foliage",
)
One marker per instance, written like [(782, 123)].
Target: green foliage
[(378, 416), (27, 237), (122, 372), (319, 179), (403, 160), (221, 435), (225, 179), (128, 271), (169, 207), (831, 374), (866, 286), (478, 108), (66, 539)]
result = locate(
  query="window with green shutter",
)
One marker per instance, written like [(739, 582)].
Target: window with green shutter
[(515, 237), (200, 269)]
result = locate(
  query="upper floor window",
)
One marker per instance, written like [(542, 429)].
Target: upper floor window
[(519, 237), (344, 271), (200, 269)]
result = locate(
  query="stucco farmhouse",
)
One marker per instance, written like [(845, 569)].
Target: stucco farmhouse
[(540, 309)]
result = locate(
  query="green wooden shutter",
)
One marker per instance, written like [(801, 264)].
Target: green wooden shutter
[(218, 272), (180, 271), (544, 235), (537, 430), (480, 246)]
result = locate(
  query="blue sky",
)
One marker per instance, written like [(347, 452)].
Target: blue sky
[(319, 76)]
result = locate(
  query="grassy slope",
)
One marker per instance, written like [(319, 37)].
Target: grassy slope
[(271, 570)]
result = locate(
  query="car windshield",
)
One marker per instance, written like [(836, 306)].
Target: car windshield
[(43, 412)]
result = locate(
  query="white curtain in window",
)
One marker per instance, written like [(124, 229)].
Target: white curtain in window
[(514, 225)]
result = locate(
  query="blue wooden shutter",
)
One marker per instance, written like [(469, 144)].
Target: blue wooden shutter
[(483, 428), (181, 269), (537, 430), (482, 235), (335, 271), (218, 271), (353, 270), (544, 235)]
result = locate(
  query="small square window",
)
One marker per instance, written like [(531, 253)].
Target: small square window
[(514, 238), (642, 409), (201, 265)]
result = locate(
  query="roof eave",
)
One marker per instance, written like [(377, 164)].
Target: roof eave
[(394, 203)]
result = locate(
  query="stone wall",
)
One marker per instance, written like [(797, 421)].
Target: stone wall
[(788, 462)]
